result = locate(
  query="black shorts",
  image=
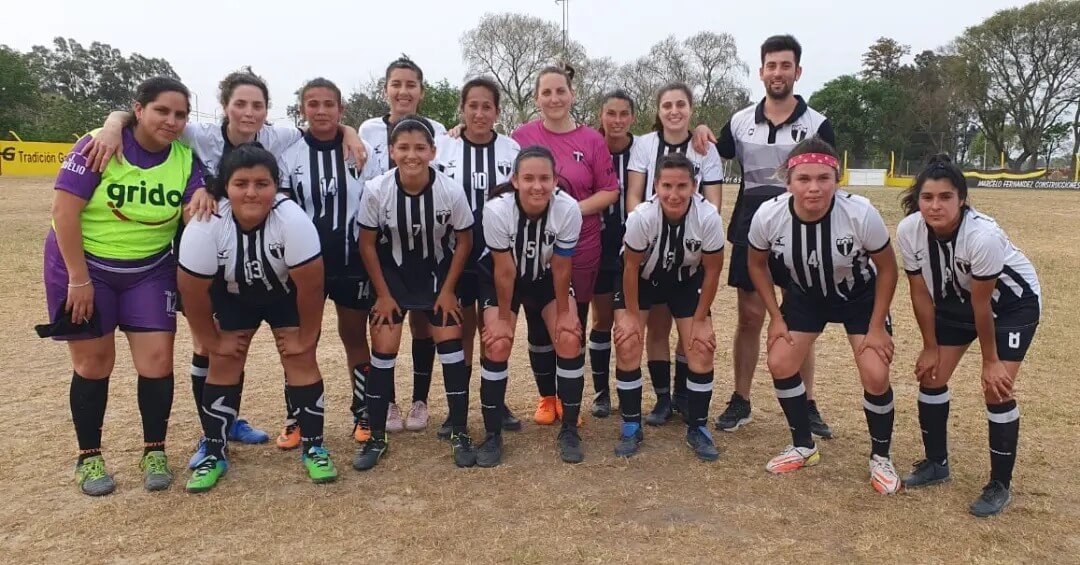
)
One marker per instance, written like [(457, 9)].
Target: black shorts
[(739, 270), (349, 292), (681, 297), (234, 314), (468, 290), (611, 244), (607, 280), (1014, 332), (533, 295), (804, 313)]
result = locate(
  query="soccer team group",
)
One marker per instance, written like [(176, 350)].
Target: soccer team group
[(240, 223)]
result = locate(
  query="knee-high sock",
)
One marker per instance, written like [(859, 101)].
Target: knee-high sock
[(879, 420), (792, 396), (380, 385), (200, 366), (218, 412), (1004, 422), (308, 400), (600, 360), (934, 420), (699, 388), (628, 384), (541, 354), (493, 394), (359, 376), (155, 405), (423, 357), (682, 371), (660, 375), (456, 382), (570, 373), (88, 398)]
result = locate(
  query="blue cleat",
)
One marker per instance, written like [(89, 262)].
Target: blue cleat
[(242, 432), (200, 453)]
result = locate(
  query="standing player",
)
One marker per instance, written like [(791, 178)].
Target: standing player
[(531, 229), (257, 259), (836, 249), (760, 137), (479, 159), (108, 264), (416, 239), (584, 169), (967, 281), (674, 109), (316, 175), (616, 116), (404, 90), (673, 255)]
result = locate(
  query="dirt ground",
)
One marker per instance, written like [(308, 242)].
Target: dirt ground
[(662, 506)]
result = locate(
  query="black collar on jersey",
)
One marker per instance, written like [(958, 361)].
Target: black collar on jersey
[(800, 109), (427, 187), (682, 144), (469, 142), (320, 145), (517, 202), (791, 208), (229, 144), (628, 146)]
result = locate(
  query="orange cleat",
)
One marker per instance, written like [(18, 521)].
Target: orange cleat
[(289, 438), (546, 411)]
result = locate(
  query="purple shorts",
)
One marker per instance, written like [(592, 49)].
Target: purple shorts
[(136, 296), (586, 268)]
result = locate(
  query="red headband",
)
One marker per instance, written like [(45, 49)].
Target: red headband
[(816, 158)]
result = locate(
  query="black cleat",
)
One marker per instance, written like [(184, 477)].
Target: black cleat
[(570, 448), (462, 449), (370, 453), (818, 426), (699, 440), (510, 422), (630, 440), (445, 430), (601, 407), (489, 454), (927, 473), (661, 413), (736, 415), (994, 498)]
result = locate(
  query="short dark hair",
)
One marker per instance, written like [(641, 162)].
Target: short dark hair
[(319, 82), (938, 167), (404, 62), (813, 144), (244, 156), (412, 122), (149, 90), (779, 43), (530, 152), (674, 161), (481, 82), (244, 76)]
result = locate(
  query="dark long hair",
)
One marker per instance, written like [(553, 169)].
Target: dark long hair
[(244, 156), (657, 124), (243, 77), (149, 90), (530, 152), (938, 167), (617, 94)]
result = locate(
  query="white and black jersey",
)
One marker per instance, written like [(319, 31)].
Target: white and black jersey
[(415, 232), (376, 132), (829, 258), (761, 147), (253, 265), (980, 250), (615, 215), (211, 143), (316, 175), (532, 242), (649, 148), (673, 250)]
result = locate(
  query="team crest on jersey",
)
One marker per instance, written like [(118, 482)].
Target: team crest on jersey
[(778, 242), (845, 245), (442, 216), (693, 245), (504, 168), (354, 171), (963, 266), (277, 249), (579, 156), (798, 132), (549, 237)]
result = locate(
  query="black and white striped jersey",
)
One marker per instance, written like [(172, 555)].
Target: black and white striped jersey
[(316, 176), (532, 242), (761, 147), (211, 144), (829, 258), (376, 132), (615, 215), (415, 233), (649, 148), (254, 264), (980, 250), (673, 250)]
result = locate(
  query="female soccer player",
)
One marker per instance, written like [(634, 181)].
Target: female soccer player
[(616, 116), (673, 255), (584, 169), (674, 109), (416, 239), (836, 248), (531, 229), (967, 281), (257, 259), (245, 100), (108, 264), (404, 90), (316, 175), (480, 160)]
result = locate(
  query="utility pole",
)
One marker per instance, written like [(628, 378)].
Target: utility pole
[(565, 27)]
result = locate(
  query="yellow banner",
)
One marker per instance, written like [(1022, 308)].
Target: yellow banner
[(32, 158)]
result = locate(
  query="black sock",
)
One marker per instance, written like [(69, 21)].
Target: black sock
[(660, 375), (600, 360), (492, 394), (200, 366), (1004, 421), (698, 394), (241, 397), (934, 420), (879, 420), (218, 412), (541, 354), (155, 405), (359, 385), (88, 398), (456, 382), (792, 396), (628, 385), (380, 384), (290, 410), (423, 359), (682, 371), (570, 374), (308, 400)]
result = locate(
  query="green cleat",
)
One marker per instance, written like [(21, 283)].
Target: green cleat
[(156, 472), (319, 466), (206, 474), (91, 477)]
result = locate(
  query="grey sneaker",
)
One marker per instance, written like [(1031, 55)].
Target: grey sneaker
[(91, 477), (370, 452), (994, 498), (629, 440), (570, 445), (701, 443), (926, 473), (490, 452), (156, 472)]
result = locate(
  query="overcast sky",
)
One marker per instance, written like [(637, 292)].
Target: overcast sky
[(288, 42)]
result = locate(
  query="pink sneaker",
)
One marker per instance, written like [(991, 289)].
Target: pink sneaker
[(418, 417), (393, 419)]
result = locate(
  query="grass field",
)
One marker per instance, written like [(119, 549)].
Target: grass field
[(662, 506)]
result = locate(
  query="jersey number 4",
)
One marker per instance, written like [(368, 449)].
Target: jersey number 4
[(812, 260)]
